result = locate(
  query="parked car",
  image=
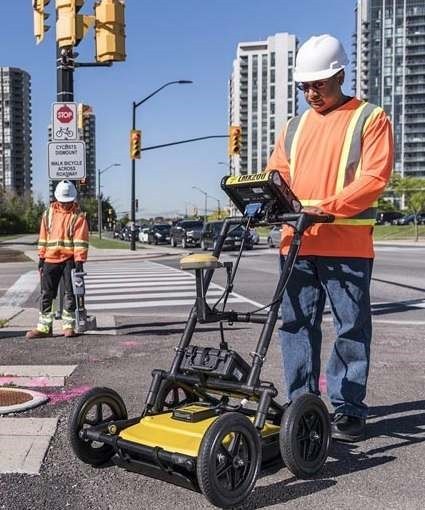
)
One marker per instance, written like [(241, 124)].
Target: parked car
[(187, 233), (275, 234), (410, 219), (212, 229), (143, 234), (388, 218), (159, 233)]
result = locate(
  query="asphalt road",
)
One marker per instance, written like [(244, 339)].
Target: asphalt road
[(384, 472)]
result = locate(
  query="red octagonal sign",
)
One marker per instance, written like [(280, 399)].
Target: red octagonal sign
[(64, 114)]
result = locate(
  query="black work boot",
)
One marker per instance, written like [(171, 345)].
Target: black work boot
[(348, 428)]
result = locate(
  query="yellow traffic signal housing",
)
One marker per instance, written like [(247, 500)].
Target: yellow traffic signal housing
[(71, 27), (110, 31), (39, 18), (235, 139), (135, 143)]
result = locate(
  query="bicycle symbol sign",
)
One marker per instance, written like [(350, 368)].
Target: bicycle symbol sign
[(64, 121)]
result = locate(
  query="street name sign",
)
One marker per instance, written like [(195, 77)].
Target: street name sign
[(67, 160), (64, 121)]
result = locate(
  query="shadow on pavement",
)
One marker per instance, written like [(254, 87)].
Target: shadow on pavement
[(283, 492)]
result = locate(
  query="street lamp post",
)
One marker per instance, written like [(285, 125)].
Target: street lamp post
[(218, 206), (133, 161), (205, 201), (99, 198)]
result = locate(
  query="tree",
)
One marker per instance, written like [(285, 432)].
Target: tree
[(414, 190)]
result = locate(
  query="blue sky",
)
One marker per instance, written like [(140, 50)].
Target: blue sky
[(166, 40)]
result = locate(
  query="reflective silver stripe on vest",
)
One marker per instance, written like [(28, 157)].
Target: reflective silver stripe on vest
[(290, 133), (355, 151)]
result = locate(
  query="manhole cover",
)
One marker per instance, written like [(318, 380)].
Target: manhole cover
[(13, 400)]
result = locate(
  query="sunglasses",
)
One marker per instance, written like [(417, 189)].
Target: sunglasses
[(315, 85)]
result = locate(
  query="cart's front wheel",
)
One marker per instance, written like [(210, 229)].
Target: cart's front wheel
[(97, 406), (172, 395), (305, 436), (229, 460)]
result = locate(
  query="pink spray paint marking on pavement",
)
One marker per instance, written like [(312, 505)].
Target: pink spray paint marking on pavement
[(129, 344), (65, 395), (28, 382), (322, 384)]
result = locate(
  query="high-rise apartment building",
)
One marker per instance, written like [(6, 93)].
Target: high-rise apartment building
[(15, 131), (389, 61), (86, 123), (262, 97)]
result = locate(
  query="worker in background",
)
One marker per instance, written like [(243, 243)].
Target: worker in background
[(337, 157), (62, 246)]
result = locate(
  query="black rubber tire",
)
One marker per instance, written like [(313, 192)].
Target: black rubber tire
[(245, 447), (85, 450), (172, 395), (305, 435)]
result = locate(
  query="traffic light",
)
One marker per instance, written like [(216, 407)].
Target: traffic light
[(110, 31), (71, 27), (39, 17), (135, 143), (235, 138)]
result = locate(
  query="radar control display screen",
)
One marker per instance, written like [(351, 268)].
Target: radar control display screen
[(267, 188)]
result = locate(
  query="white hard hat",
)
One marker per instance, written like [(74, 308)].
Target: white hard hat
[(65, 192), (319, 58)]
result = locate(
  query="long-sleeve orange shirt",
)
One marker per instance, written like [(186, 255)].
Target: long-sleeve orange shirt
[(63, 235), (317, 159)]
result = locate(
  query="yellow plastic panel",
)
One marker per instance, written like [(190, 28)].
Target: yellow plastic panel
[(171, 435), (175, 435)]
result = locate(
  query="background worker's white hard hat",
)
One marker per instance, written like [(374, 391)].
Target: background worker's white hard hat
[(319, 58), (65, 192)]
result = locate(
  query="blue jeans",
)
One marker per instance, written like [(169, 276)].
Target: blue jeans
[(346, 282)]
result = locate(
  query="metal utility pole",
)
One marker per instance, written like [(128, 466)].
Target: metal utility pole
[(133, 159), (205, 202), (99, 199)]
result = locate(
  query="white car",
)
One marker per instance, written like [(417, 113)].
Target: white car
[(143, 235), (273, 239)]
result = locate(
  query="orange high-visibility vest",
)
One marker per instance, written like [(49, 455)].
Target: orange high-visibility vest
[(341, 163), (63, 234)]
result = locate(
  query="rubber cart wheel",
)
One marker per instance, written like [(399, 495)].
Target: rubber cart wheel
[(229, 460), (305, 435), (172, 395), (98, 405)]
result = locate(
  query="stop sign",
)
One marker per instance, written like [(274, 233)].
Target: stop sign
[(64, 114)]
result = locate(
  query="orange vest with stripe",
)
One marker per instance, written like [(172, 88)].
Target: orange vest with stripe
[(341, 163), (63, 234)]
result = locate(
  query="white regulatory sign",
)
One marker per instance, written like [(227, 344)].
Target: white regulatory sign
[(67, 160), (64, 121)]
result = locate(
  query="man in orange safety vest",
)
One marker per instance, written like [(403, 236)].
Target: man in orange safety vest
[(62, 246), (337, 157)]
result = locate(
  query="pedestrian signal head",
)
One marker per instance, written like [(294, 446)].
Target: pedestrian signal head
[(135, 143), (65, 192), (235, 139), (40, 17)]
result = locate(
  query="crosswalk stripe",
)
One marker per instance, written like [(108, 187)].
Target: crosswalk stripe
[(150, 304), (149, 295), (148, 285)]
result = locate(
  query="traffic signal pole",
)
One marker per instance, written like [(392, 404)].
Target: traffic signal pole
[(64, 75), (133, 190)]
